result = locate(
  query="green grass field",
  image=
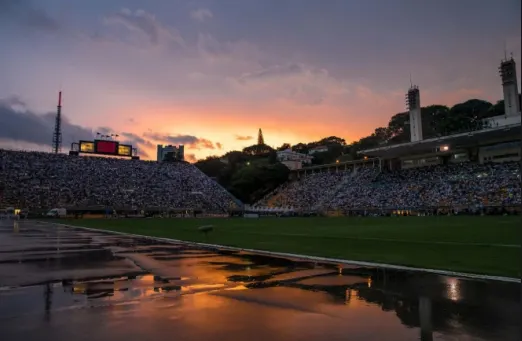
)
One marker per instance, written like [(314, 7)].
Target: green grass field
[(483, 245)]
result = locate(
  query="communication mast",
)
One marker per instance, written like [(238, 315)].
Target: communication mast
[(57, 134), (414, 107)]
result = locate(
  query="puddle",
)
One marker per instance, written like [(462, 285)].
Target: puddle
[(108, 287)]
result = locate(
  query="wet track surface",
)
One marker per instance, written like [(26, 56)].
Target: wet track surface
[(60, 283)]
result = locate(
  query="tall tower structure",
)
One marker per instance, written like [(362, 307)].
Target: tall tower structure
[(57, 134), (508, 74), (260, 139), (414, 107)]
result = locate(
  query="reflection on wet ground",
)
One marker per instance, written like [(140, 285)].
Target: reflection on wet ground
[(61, 283)]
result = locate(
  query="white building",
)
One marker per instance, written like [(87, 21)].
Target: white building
[(162, 151), (293, 160), (318, 149)]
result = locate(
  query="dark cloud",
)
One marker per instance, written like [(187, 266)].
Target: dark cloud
[(104, 130), (189, 141), (18, 124), (27, 13), (137, 142), (26, 126), (244, 138)]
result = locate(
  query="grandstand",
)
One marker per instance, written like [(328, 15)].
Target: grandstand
[(475, 171), (42, 181)]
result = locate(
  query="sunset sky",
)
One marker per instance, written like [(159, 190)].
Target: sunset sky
[(210, 73)]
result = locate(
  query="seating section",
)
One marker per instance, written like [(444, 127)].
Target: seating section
[(465, 185), (36, 180)]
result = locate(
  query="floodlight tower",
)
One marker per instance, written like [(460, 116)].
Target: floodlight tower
[(414, 108), (57, 134), (508, 74)]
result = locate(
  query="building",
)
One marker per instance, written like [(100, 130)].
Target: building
[(318, 149), (497, 141), (178, 152), (293, 160)]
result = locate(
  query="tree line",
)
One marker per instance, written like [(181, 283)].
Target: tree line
[(253, 172)]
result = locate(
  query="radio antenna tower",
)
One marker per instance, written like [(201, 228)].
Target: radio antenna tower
[(57, 134)]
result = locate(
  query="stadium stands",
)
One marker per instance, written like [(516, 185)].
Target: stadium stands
[(463, 186), (36, 180)]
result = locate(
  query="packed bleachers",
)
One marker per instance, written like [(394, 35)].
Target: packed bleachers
[(35, 180), (459, 186), (309, 191)]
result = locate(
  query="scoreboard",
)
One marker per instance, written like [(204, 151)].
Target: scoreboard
[(105, 147)]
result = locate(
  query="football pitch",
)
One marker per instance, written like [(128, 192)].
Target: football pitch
[(483, 245)]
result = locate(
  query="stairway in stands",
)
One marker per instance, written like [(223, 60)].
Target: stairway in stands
[(271, 202)]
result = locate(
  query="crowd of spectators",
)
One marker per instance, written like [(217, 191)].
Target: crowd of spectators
[(469, 186), (307, 193), (36, 180)]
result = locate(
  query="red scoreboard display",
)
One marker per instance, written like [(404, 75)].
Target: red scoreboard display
[(105, 147)]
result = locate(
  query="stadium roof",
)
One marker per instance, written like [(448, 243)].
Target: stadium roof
[(473, 138)]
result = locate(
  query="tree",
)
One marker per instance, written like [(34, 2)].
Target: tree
[(254, 171), (272, 157), (465, 116), (257, 149), (212, 166), (301, 148), (399, 128), (332, 140), (284, 146), (434, 117), (253, 181), (497, 109)]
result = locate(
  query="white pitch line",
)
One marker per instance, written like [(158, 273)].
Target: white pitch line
[(305, 257), (386, 240)]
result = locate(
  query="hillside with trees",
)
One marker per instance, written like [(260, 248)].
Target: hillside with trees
[(253, 172)]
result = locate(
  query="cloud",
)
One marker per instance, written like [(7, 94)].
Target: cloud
[(239, 54), (137, 142), (189, 141), (233, 70), (244, 138), (190, 158), (219, 145), (296, 82), (201, 14), (25, 13), (21, 125), (146, 24), (135, 139)]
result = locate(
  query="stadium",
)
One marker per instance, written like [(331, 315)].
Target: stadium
[(452, 181)]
